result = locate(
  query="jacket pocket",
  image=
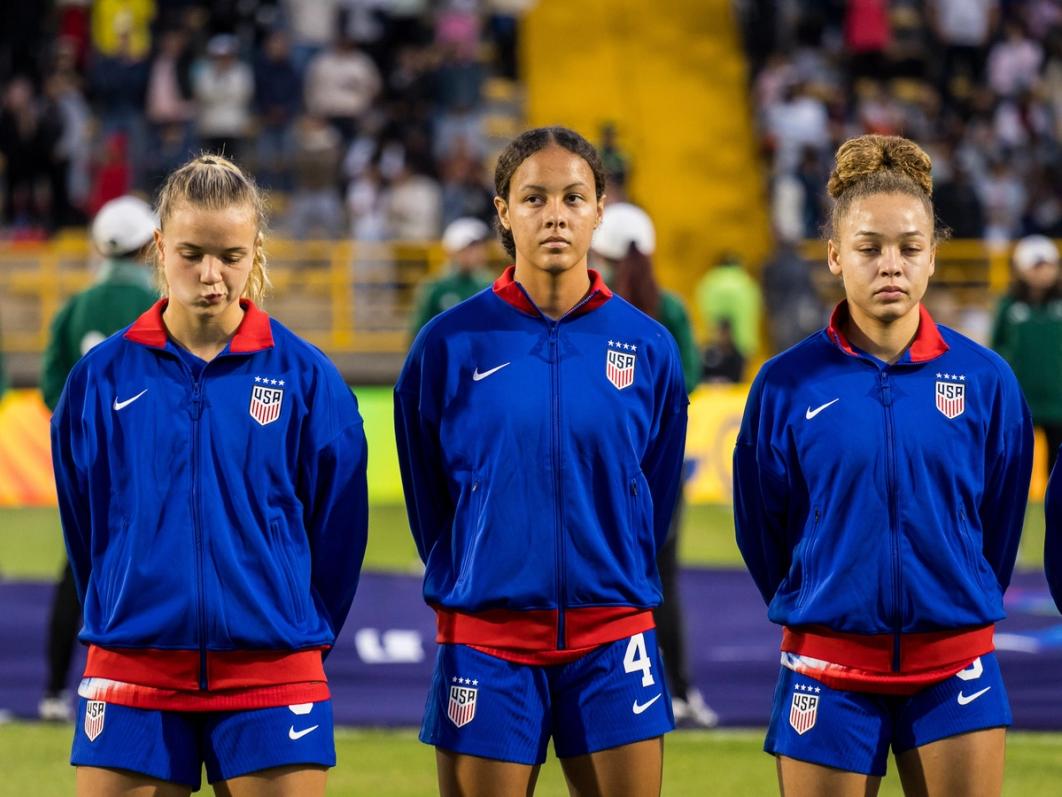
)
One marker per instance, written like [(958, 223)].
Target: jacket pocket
[(807, 560), (468, 520), (284, 559), (975, 558), (640, 516)]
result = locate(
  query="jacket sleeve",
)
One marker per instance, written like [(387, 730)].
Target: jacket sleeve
[(760, 496), (429, 505), (1053, 534), (1008, 469), (337, 507), (662, 462), (71, 485)]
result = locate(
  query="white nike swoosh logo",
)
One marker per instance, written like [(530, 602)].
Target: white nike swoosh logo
[(638, 708), (295, 735), (121, 405), (477, 375), (811, 413), (964, 699)]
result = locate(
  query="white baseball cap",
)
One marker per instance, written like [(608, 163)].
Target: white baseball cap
[(621, 225), (463, 232), (1033, 250), (123, 225)]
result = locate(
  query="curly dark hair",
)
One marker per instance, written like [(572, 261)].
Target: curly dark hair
[(527, 144)]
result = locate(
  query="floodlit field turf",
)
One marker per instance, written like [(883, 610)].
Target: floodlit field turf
[(31, 544), (395, 764)]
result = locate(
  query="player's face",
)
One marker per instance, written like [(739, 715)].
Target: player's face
[(206, 258), (884, 253), (552, 210)]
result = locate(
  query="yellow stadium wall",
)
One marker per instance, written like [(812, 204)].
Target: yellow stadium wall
[(715, 415)]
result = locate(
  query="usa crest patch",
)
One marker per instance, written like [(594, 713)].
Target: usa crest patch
[(951, 396), (94, 711), (461, 708), (266, 400), (619, 364), (803, 712)]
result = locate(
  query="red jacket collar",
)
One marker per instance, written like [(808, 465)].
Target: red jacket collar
[(253, 333), (927, 345), (510, 291)]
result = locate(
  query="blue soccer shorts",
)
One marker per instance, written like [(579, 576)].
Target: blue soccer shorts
[(174, 745), (853, 731), (492, 708)]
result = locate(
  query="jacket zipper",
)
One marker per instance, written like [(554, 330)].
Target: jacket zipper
[(557, 481), (197, 527), (894, 531)]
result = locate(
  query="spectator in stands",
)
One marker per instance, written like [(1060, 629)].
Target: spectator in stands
[(170, 105), (316, 208), (624, 243), (963, 29), (73, 149), (728, 293), (464, 192), (25, 146), (465, 243), (312, 24), (958, 205), (1014, 61), (122, 27), (117, 83), (224, 90), (277, 97), (412, 204), (1028, 334), (341, 84), (122, 233), (793, 306), (798, 121), (1003, 196)]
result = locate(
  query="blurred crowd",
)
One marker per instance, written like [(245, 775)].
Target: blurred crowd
[(978, 83), (366, 117)]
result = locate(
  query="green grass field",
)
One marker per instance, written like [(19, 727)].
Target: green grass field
[(394, 764)]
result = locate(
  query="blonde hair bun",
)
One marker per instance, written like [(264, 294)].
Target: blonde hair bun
[(860, 158)]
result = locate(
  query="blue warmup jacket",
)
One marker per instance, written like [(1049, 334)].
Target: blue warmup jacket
[(224, 514), (875, 499), (541, 461), (1053, 534)]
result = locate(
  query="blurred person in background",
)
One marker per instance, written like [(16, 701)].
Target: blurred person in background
[(277, 98), (465, 243), (224, 91), (210, 472), (792, 304), (170, 105), (26, 142), (316, 207), (117, 85), (122, 233), (341, 85), (887, 604), (624, 243), (728, 293), (1028, 334)]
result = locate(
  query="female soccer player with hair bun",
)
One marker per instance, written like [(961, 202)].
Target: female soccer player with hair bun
[(210, 467), (880, 481), (541, 426)]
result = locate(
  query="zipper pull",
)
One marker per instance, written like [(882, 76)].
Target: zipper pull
[(197, 401), (886, 390)]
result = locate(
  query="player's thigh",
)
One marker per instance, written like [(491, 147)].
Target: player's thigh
[(967, 765), (100, 782), (804, 779), (290, 781), (631, 770), (462, 775)]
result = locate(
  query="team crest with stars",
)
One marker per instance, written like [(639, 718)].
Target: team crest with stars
[(267, 399), (951, 394), (461, 708), (805, 708), (619, 363)]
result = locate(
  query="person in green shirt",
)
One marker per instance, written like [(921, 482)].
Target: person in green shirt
[(123, 232), (1027, 333), (465, 243), (729, 293), (622, 247)]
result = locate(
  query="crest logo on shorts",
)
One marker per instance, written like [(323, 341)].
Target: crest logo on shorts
[(94, 710), (951, 395), (804, 710), (619, 364), (266, 400), (461, 709)]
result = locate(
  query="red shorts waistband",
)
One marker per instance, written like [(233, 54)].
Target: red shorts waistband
[(179, 669), (932, 650), (537, 631)]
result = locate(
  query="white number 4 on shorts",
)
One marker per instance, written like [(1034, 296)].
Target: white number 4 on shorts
[(637, 660)]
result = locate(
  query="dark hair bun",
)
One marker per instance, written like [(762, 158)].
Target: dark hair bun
[(862, 157)]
